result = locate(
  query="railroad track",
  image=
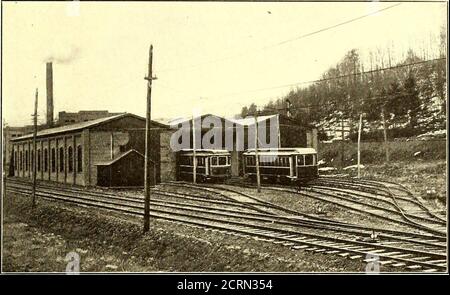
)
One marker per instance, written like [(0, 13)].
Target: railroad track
[(218, 198), (218, 189), (353, 200), (254, 224), (370, 204), (382, 188)]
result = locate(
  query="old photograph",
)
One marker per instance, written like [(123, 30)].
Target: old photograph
[(224, 137)]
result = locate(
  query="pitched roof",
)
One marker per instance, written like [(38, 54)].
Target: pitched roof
[(82, 125), (180, 120), (107, 163), (250, 120)]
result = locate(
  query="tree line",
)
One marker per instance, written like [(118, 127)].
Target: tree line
[(401, 96)]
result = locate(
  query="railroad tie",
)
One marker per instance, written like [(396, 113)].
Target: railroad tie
[(437, 261), (311, 249), (355, 257), (300, 247), (332, 252), (383, 262), (371, 259), (352, 247), (332, 244), (310, 240), (402, 255), (299, 239), (399, 264), (421, 258), (281, 242), (391, 253), (430, 270), (414, 266), (375, 251), (365, 250)]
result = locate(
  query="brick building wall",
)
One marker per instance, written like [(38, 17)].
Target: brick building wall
[(168, 159)]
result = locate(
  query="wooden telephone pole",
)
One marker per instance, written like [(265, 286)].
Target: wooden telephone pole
[(258, 176), (359, 146), (194, 153), (148, 167), (33, 159)]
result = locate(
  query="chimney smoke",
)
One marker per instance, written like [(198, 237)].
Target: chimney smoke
[(49, 94)]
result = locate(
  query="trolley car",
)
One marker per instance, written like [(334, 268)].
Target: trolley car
[(283, 165), (212, 165)]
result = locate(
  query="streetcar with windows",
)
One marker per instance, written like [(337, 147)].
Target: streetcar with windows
[(212, 165), (282, 165)]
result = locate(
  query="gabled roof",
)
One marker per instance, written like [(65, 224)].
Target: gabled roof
[(250, 120), (180, 120), (107, 163), (83, 125)]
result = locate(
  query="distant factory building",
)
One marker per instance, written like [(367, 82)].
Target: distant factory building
[(95, 152)]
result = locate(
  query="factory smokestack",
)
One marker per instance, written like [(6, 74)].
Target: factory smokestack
[(49, 94)]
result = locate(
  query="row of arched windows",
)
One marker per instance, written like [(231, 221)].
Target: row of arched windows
[(22, 160)]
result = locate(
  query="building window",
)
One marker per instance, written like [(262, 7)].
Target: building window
[(32, 161), (39, 158), (79, 159), (45, 160), (61, 159), (20, 160), (53, 159), (70, 158), (26, 160), (15, 160)]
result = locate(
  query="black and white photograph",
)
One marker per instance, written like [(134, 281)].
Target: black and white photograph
[(224, 137)]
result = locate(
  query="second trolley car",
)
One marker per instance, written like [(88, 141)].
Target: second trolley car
[(212, 165), (283, 165)]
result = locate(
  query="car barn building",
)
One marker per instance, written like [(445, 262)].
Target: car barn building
[(72, 154)]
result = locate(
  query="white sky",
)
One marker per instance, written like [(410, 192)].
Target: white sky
[(108, 46)]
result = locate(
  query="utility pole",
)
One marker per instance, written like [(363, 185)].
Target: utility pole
[(386, 147), (147, 170), (359, 146), (342, 141), (194, 157), (4, 172), (33, 159), (258, 176)]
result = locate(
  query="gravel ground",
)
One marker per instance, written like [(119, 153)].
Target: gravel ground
[(39, 240)]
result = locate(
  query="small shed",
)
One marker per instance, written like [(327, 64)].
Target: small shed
[(127, 170)]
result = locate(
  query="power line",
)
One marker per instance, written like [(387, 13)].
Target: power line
[(281, 42)]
